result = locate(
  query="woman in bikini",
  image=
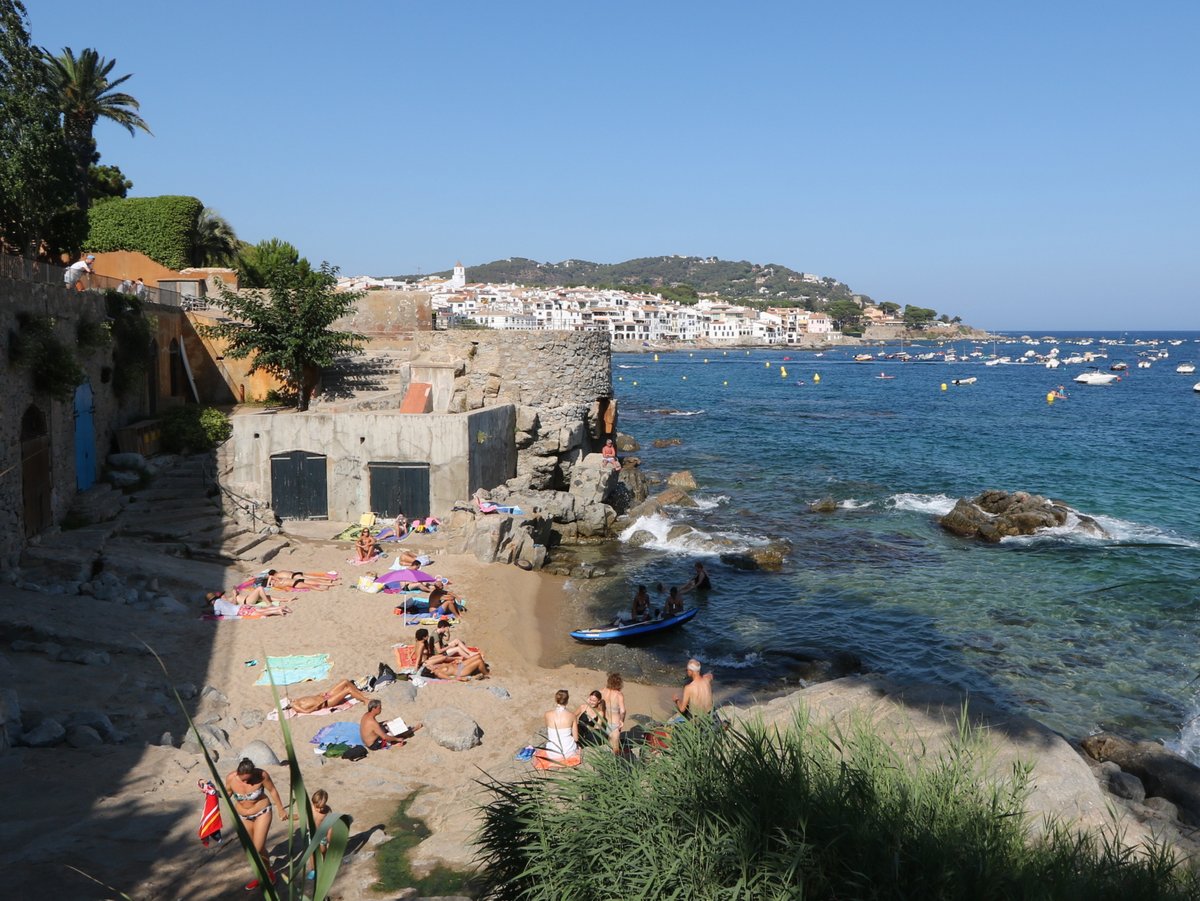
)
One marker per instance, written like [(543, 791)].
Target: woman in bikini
[(233, 603), (593, 722), (332, 698), (614, 705), (366, 548), (254, 796)]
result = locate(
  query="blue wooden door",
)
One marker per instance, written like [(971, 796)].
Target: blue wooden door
[(85, 438)]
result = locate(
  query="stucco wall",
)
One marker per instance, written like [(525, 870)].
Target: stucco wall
[(459, 462)]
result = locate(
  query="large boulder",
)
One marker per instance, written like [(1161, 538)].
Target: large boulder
[(452, 729), (261, 753), (683, 479), (995, 515), (630, 488), (769, 556), (675, 497), (667, 442), (626, 444)]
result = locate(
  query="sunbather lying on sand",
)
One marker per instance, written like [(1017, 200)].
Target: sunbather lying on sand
[(459, 671), (234, 603), (332, 698), (443, 603), (295, 579)]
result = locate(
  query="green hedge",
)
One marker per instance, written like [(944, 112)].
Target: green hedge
[(159, 227)]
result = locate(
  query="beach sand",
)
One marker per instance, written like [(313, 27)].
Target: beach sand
[(127, 814)]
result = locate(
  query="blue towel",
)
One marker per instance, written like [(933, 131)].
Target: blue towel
[(296, 668), (344, 733)]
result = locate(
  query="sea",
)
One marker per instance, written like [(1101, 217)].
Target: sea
[(1081, 632)]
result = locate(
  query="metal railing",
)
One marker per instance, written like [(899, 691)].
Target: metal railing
[(30, 270)]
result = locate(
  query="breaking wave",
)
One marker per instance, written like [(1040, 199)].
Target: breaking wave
[(933, 504)]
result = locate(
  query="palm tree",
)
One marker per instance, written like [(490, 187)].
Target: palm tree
[(213, 240), (83, 92)]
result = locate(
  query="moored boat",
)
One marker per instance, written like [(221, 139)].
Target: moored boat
[(1095, 377), (1186, 368), (633, 630)]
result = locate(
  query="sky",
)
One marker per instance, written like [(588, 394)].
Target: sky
[(1024, 165)]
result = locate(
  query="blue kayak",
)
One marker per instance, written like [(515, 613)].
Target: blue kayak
[(633, 630)]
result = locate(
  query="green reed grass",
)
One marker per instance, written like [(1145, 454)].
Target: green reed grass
[(803, 813)]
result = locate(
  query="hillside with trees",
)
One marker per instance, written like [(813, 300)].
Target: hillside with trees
[(739, 280)]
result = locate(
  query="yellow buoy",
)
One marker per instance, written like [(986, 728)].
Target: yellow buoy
[(635, 384), (943, 386), (1050, 397), (620, 378), (767, 363), (783, 372), (816, 377), (656, 358), (726, 384), (685, 378), (706, 359), (691, 355), (724, 353)]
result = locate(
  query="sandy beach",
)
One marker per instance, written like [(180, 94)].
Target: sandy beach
[(127, 814)]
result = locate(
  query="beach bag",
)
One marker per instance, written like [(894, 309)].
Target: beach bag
[(354, 752), (386, 674)]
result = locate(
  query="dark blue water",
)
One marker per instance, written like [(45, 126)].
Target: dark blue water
[(1079, 632)]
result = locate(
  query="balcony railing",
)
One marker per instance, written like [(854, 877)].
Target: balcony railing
[(28, 270)]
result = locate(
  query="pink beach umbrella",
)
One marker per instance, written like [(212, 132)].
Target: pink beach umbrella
[(404, 575)]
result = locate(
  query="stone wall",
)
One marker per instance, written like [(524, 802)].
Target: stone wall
[(17, 396), (559, 382), (464, 453)]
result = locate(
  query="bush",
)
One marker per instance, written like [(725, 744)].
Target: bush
[(131, 338), (194, 429), (51, 362), (159, 227), (755, 814)]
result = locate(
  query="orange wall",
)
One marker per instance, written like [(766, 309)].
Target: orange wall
[(129, 264)]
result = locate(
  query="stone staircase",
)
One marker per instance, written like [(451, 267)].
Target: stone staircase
[(376, 380), (173, 530)]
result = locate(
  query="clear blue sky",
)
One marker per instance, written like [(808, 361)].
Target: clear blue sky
[(1023, 165)]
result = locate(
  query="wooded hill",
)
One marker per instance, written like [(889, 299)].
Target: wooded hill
[(677, 277)]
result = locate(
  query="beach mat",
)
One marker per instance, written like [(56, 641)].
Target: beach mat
[(296, 668)]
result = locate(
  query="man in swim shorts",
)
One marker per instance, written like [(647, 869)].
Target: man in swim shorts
[(375, 736)]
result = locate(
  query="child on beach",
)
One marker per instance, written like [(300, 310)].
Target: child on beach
[(320, 809)]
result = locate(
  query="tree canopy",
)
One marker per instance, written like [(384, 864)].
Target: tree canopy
[(285, 330), (83, 91), (36, 183), (918, 317), (258, 264)]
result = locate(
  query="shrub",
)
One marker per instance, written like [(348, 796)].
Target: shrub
[(159, 227), (758, 814), (194, 429), (51, 362), (131, 341)]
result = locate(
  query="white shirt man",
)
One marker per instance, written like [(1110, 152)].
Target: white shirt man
[(77, 270)]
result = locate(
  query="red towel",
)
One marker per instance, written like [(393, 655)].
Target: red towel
[(210, 817)]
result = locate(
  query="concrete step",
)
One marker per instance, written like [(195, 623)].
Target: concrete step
[(265, 550), (44, 565), (170, 496), (241, 545), (184, 527)]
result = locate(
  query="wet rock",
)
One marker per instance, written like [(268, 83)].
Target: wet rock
[(824, 505), (770, 556), (1126, 785), (650, 507), (666, 442), (682, 479), (1164, 773), (452, 729), (994, 515), (640, 538), (675, 497), (626, 444)]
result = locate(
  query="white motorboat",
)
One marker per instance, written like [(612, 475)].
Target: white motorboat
[(1196, 387), (1052, 363), (1096, 377), (1143, 364), (1186, 368)]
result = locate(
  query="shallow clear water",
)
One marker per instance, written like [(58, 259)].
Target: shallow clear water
[(1080, 632)]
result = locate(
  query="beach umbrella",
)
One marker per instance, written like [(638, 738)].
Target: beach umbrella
[(404, 575)]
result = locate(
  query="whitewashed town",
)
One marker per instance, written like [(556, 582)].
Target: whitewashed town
[(630, 318)]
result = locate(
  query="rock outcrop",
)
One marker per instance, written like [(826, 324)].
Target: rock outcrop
[(995, 515), (1161, 772)]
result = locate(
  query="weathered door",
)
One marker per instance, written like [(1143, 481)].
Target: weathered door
[(299, 486), (85, 438), (35, 472), (399, 487)]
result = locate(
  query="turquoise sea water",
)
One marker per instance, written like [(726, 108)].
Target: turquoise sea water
[(1081, 633)]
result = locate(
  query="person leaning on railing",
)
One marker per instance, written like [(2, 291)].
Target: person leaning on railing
[(74, 274)]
